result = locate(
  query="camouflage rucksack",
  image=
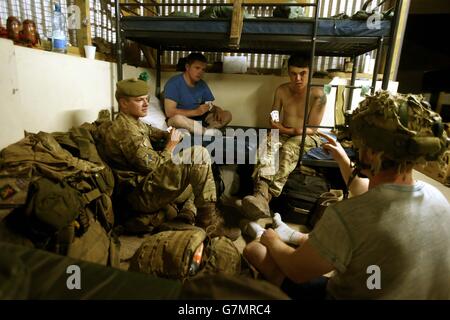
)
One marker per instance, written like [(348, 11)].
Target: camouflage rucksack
[(169, 254), (59, 193)]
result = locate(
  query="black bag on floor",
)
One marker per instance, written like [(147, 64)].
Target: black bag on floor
[(299, 197), (220, 186)]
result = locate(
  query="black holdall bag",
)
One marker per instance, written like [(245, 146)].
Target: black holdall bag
[(299, 197)]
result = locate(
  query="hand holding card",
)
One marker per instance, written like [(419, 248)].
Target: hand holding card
[(210, 105), (275, 115)]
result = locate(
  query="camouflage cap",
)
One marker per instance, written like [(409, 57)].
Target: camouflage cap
[(131, 88), (402, 126)]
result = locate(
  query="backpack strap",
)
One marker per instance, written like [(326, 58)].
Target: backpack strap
[(90, 196), (103, 207), (86, 144)]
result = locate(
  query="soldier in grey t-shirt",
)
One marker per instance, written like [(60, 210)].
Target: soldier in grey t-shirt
[(390, 241)]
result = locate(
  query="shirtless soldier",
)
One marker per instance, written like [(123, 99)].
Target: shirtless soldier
[(289, 100)]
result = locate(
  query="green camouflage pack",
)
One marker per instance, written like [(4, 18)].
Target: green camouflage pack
[(14, 187), (222, 257), (54, 184), (168, 254), (28, 273)]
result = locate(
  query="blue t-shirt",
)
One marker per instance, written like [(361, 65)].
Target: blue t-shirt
[(187, 97)]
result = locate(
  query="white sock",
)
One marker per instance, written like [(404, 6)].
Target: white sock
[(286, 233), (254, 230)]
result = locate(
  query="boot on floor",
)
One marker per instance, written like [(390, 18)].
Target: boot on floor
[(210, 219), (256, 206)]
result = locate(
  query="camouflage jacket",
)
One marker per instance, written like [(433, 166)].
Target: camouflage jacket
[(126, 144)]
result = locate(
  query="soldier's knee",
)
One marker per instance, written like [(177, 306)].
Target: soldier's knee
[(290, 148), (253, 252), (200, 155), (227, 117)]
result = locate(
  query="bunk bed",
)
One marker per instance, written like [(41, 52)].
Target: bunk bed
[(315, 36), (338, 37)]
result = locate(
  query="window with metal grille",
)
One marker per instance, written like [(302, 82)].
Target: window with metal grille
[(102, 13), (255, 61), (40, 11)]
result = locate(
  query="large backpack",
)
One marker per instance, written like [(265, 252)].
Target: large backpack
[(28, 273), (58, 195), (299, 197), (169, 254)]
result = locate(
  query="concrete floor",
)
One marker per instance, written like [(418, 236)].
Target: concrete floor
[(129, 244)]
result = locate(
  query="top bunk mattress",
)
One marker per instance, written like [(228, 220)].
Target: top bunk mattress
[(271, 35)]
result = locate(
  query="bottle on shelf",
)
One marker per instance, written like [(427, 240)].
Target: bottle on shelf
[(367, 63), (59, 42)]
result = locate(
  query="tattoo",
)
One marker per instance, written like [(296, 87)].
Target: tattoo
[(322, 100)]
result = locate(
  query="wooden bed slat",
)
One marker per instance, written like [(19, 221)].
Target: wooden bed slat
[(237, 22)]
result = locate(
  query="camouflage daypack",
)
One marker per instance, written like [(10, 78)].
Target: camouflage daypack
[(67, 191), (169, 254)]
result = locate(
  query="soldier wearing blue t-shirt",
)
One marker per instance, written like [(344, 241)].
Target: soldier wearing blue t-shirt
[(188, 101)]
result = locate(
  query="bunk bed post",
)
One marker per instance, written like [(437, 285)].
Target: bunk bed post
[(352, 83), (393, 36), (308, 87), (158, 73), (377, 64), (118, 43)]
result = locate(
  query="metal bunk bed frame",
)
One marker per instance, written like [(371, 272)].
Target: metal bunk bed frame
[(312, 52)]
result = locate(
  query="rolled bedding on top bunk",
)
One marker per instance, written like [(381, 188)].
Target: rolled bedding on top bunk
[(263, 26), (326, 27)]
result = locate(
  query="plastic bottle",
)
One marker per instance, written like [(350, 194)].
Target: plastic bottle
[(59, 43), (367, 59)]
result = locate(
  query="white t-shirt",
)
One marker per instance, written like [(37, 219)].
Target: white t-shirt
[(402, 230)]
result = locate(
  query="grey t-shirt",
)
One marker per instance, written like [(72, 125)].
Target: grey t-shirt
[(402, 230)]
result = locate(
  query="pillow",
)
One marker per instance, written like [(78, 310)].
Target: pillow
[(155, 115)]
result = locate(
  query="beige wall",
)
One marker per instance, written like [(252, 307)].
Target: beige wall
[(11, 110), (248, 97), (46, 91)]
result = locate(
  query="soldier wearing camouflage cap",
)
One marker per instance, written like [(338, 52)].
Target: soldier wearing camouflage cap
[(392, 239), (150, 179)]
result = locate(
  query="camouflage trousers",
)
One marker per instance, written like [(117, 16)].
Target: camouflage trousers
[(170, 180), (285, 160)]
